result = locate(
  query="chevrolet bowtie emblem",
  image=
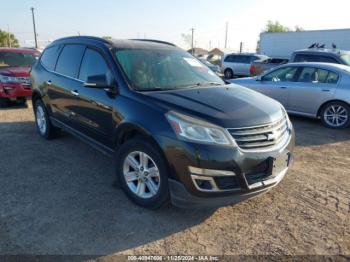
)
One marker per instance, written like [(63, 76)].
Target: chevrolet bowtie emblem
[(271, 136)]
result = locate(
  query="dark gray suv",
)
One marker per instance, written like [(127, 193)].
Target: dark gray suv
[(321, 55)]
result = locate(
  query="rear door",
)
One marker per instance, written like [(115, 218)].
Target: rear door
[(242, 64), (314, 86), (62, 84)]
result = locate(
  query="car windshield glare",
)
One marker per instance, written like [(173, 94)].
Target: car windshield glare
[(162, 69), (346, 59), (8, 59)]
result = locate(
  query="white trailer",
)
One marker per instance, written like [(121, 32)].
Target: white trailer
[(282, 45)]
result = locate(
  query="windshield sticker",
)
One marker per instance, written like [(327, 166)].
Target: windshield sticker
[(193, 62)]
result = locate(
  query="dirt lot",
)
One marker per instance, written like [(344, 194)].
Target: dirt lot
[(57, 197)]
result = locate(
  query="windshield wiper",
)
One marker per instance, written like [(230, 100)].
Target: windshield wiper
[(154, 89)]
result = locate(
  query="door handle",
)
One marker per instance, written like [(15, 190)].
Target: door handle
[(283, 87), (48, 82), (326, 90), (74, 92)]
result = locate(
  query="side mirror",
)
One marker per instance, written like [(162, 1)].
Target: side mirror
[(97, 81)]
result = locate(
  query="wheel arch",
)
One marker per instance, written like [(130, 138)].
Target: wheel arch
[(327, 102)]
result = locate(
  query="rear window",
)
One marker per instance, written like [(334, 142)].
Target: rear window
[(69, 60), (49, 57)]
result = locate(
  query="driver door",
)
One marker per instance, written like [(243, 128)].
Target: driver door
[(277, 83)]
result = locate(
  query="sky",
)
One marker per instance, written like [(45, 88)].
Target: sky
[(168, 19)]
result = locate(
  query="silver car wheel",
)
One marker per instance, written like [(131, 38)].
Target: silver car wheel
[(41, 120), (336, 115), (141, 174)]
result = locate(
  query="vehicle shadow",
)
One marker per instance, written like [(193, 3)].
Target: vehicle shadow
[(14, 105), (57, 197), (311, 132)]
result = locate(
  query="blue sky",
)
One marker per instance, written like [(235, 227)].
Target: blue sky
[(167, 20)]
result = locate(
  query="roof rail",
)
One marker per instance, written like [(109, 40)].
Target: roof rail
[(155, 41), (85, 37)]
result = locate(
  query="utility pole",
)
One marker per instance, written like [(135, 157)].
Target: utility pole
[(8, 36), (241, 47), (226, 34), (192, 47), (36, 40)]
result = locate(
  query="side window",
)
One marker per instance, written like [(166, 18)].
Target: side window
[(326, 59), (332, 78), (229, 58), (285, 74), (317, 75), (305, 58), (93, 64), (49, 57), (69, 60)]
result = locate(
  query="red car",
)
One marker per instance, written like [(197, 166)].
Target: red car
[(15, 64)]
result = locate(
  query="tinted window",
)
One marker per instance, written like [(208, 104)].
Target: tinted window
[(317, 75), (93, 64), (11, 59), (315, 58), (49, 57), (285, 74), (242, 59), (69, 60), (229, 58), (326, 59)]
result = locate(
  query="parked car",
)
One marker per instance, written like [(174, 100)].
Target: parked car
[(15, 64), (260, 66), (215, 68), (176, 131), (321, 55), (317, 90), (238, 64)]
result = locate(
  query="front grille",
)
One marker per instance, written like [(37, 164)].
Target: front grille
[(24, 80), (261, 137)]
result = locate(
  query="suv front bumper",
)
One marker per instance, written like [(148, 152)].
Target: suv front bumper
[(14, 90)]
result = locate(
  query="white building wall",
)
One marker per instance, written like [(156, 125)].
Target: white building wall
[(284, 44)]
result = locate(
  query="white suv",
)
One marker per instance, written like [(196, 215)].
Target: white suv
[(238, 64)]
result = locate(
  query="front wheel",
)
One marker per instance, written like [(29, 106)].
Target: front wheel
[(142, 173), (335, 115)]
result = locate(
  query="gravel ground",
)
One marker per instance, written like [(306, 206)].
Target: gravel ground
[(57, 197)]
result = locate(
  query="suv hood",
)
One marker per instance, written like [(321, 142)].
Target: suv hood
[(228, 106), (15, 71)]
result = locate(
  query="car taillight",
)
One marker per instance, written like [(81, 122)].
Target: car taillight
[(252, 70)]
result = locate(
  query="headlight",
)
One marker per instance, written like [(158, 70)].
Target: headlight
[(195, 130), (8, 79)]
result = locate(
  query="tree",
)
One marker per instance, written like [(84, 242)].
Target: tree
[(107, 37), (187, 38), (8, 39), (275, 27)]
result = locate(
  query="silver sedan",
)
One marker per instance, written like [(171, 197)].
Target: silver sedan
[(317, 90)]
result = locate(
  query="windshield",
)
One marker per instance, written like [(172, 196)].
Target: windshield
[(9, 59), (346, 59), (149, 70)]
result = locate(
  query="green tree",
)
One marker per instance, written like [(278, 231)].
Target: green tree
[(8, 39), (275, 27)]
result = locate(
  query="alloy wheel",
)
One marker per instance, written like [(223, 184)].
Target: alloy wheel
[(141, 174), (336, 115), (41, 120)]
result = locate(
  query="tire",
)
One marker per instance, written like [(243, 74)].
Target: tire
[(43, 123), (335, 115), (4, 102), (146, 187), (228, 73)]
